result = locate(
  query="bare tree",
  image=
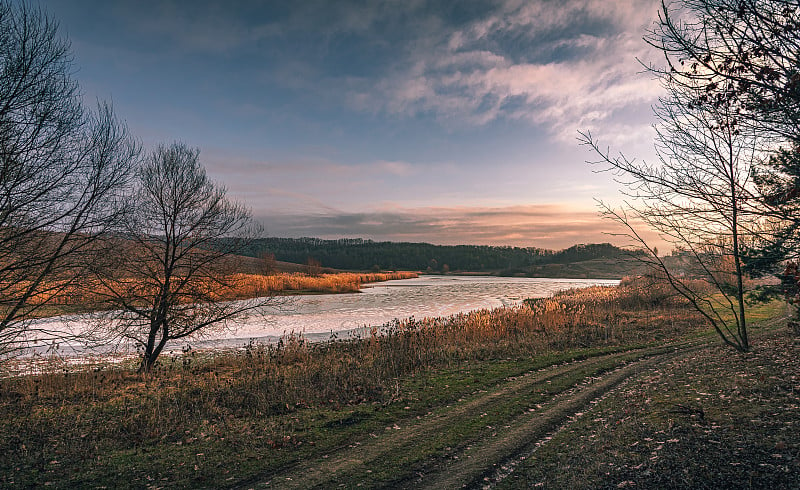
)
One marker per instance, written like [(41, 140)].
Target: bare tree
[(742, 51), (699, 196), (173, 274), (747, 54), (268, 263), (62, 171), (313, 267)]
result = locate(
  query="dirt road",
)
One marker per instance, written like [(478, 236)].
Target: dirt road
[(476, 440)]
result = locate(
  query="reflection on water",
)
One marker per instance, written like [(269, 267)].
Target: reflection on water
[(319, 316)]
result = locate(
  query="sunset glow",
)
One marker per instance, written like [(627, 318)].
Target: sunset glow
[(413, 121)]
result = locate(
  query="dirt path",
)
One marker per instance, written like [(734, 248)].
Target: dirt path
[(419, 450), (480, 462)]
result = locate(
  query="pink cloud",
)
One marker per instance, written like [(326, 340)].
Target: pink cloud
[(546, 226), (464, 78)]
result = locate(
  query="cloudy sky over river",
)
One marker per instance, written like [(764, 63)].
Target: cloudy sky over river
[(446, 122)]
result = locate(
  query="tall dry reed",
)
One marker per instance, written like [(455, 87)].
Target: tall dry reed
[(251, 285), (87, 297)]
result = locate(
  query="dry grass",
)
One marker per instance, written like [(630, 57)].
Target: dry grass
[(65, 298), (575, 318), (589, 317), (252, 399), (255, 285), (296, 371)]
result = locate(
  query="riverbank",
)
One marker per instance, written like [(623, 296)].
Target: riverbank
[(257, 285), (74, 301), (277, 414)]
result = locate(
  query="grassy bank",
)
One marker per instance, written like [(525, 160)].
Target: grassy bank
[(227, 418), (255, 285)]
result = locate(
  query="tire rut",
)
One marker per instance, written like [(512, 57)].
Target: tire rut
[(475, 460), (478, 466)]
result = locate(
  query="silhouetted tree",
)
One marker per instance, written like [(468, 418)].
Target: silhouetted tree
[(63, 170), (699, 196), (777, 253), (747, 54), (744, 52), (173, 275)]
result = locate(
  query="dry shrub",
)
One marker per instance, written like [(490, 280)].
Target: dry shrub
[(653, 290), (574, 318)]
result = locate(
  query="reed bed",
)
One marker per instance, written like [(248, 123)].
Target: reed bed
[(249, 396), (60, 298), (254, 285)]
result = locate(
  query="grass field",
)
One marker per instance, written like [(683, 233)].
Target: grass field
[(414, 401), (254, 285), (713, 419)]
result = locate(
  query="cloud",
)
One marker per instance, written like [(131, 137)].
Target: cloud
[(396, 168), (563, 65), (223, 164), (546, 226)]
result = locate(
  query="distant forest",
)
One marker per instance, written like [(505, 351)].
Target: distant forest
[(360, 254)]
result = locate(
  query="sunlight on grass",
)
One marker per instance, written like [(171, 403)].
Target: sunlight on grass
[(254, 285), (64, 299)]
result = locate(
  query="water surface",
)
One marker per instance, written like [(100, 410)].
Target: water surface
[(318, 317)]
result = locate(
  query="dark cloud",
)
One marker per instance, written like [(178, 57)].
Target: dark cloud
[(544, 62)]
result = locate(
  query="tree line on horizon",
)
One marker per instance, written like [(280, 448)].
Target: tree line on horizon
[(364, 254)]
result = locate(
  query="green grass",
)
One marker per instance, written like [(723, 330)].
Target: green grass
[(52, 441)]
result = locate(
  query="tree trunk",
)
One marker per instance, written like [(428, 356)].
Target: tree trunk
[(737, 259)]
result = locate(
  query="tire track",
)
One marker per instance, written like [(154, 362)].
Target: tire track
[(469, 464), (477, 465)]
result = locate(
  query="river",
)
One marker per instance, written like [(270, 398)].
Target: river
[(318, 317)]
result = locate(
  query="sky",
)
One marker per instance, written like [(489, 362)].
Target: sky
[(436, 121)]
